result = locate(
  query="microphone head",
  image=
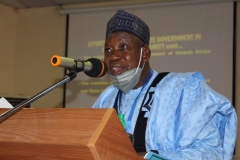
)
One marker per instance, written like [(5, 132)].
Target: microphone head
[(56, 61), (98, 70)]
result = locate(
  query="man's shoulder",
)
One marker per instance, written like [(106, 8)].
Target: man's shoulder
[(177, 79), (173, 77), (172, 74), (186, 75)]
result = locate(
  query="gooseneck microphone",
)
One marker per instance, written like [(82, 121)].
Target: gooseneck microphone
[(92, 67)]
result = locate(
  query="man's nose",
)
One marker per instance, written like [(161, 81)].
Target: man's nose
[(116, 55)]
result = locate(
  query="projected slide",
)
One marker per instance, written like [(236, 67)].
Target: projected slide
[(184, 38)]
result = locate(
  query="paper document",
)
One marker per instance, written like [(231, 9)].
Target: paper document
[(4, 103)]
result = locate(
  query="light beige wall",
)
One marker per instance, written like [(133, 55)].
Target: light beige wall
[(8, 25), (40, 35), (30, 38)]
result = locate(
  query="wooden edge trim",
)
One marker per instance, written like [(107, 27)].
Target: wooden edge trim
[(94, 138)]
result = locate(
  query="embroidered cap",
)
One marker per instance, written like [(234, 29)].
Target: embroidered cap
[(124, 21)]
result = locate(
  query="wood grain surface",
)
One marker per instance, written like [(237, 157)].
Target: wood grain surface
[(64, 133)]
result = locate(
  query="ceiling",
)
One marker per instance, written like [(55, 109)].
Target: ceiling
[(23, 4), (20, 4)]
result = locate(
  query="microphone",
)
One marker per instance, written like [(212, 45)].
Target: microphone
[(92, 67)]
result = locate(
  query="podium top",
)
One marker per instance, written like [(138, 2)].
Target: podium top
[(61, 133)]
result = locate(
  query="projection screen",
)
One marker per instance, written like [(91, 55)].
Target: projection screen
[(185, 37)]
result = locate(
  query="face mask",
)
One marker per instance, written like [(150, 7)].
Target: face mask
[(129, 79)]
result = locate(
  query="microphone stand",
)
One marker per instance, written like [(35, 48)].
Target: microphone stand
[(67, 78)]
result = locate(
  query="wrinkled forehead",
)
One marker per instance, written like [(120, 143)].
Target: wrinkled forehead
[(120, 36)]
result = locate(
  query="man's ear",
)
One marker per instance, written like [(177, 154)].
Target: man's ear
[(146, 53)]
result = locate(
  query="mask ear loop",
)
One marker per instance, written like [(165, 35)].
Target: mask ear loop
[(139, 61)]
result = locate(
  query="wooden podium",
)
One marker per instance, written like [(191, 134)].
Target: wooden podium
[(64, 134)]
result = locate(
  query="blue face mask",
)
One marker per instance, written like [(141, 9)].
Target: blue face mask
[(129, 79)]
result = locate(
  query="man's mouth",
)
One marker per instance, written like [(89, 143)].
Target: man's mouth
[(115, 70)]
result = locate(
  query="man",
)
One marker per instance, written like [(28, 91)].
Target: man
[(176, 115)]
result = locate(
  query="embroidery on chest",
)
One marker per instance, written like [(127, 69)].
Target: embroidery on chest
[(148, 102)]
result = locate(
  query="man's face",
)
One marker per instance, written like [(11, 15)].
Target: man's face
[(122, 51)]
